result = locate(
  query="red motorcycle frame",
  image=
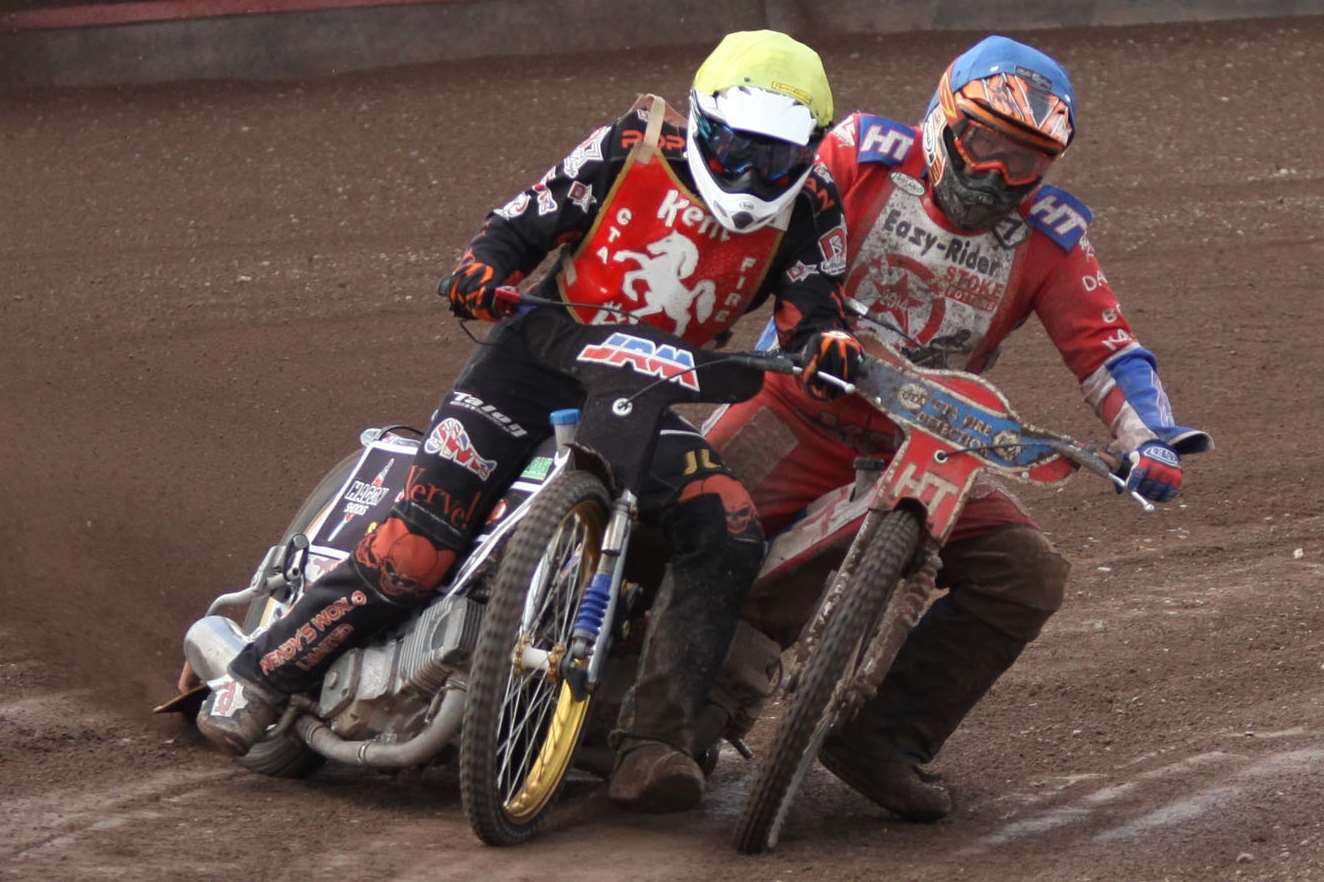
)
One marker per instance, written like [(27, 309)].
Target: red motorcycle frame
[(893, 520)]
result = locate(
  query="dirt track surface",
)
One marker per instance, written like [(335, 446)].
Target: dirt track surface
[(204, 287)]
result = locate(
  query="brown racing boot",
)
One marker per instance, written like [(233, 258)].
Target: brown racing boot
[(238, 712), (655, 777), (896, 784)]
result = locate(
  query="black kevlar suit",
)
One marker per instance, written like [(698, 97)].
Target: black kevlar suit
[(485, 429)]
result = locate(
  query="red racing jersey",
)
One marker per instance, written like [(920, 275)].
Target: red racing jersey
[(633, 236), (948, 299)]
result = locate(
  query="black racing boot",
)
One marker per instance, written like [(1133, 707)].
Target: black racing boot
[(692, 623), (654, 777), (238, 711), (895, 783), (945, 667)]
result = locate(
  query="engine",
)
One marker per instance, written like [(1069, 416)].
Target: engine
[(387, 688)]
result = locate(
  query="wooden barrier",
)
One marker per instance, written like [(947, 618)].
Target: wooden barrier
[(160, 40)]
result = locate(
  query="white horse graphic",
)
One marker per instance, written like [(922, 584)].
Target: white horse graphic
[(657, 283)]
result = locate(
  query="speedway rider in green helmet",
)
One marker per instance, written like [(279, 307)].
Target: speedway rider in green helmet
[(685, 227)]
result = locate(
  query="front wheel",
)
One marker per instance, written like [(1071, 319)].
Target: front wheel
[(813, 709), (522, 722)]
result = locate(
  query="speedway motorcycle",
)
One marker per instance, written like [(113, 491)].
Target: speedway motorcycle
[(506, 660), (892, 521)]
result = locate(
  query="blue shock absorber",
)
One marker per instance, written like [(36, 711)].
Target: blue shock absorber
[(593, 608)]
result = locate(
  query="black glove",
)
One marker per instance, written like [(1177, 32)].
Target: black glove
[(471, 288), (829, 352)]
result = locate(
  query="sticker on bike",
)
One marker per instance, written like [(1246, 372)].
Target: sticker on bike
[(449, 440), (645, 356), (362, 497)]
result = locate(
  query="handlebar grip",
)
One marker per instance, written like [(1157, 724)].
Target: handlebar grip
[(843, 385), (507, 300)]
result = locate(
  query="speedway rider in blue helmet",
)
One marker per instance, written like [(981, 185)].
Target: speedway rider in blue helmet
[(954, 242)]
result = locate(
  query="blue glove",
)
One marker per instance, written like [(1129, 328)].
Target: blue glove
[(1153, 470)]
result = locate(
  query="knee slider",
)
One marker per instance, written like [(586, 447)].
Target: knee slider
[(402, 565), (720, 496), (1040, 579)]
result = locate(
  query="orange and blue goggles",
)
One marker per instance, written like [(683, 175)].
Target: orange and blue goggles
[(986, 149), (735, 152)]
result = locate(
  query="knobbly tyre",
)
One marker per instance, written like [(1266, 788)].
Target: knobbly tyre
[(956, 425), (505, 661)]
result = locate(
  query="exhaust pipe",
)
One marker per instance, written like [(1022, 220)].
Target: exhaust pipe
[(211, 644), (382, 755)]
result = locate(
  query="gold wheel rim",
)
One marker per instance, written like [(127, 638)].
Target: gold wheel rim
[(553, 759), (558, 746)]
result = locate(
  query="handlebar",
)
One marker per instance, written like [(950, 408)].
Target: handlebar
[(510, 301), (1098, 461), (777, 362)]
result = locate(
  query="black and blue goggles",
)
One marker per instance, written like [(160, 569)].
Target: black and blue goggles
[(735, 153)]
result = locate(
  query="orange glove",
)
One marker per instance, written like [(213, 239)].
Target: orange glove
[(471, 288), (829, 352)]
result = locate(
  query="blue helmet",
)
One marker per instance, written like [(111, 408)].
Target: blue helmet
[(1002, 112)]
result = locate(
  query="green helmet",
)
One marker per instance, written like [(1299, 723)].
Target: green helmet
[(759, 106)]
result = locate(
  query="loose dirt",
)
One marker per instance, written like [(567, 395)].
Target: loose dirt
[(210, 288)]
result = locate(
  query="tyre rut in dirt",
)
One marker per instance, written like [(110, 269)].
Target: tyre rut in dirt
[(806, 721), (521, 726)]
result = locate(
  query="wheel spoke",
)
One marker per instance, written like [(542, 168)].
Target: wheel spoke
[(530, 696), (565, 619), (547, 569), (522, 734), (531, 741), (566, 557), (507, 713)]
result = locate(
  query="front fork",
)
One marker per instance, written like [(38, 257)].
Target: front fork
[(808, 642), (591, 639), (902, 614)]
